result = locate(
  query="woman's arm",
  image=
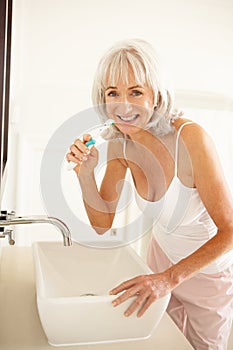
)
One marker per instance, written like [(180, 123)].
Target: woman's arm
[(211, 185), (100, 205)]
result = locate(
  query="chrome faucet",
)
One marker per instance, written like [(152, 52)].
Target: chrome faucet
[(8, 219)]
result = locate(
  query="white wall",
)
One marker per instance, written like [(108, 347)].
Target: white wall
[(57, 44), (56, 48)]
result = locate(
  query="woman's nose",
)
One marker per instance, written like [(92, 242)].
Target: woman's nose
[(124, 107), (123, 98)]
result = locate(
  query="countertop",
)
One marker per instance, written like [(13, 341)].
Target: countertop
[(20, 327)]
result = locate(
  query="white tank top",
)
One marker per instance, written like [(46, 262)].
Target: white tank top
[(181, 221)]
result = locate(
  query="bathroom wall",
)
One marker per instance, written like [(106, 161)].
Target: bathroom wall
[(56, 47)]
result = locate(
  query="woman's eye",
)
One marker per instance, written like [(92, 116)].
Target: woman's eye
[(112, 94), (136, 93)]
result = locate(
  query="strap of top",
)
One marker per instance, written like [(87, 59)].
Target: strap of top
[(177, 146), (124, 149)]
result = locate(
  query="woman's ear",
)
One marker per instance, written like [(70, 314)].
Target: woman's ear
[(158, 100)]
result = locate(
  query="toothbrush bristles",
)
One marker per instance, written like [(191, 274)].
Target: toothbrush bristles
[(109, 122)]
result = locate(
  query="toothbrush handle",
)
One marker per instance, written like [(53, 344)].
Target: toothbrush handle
[(71, 165), (90, 142)]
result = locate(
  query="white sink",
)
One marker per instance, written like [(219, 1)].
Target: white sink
[(72, 294)]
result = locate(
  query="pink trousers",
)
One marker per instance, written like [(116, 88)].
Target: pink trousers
[(201, 307)]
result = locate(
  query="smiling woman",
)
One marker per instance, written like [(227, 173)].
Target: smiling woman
[(177, 173), (137, 67)]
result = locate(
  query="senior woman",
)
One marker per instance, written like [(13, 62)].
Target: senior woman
[(178, 179)]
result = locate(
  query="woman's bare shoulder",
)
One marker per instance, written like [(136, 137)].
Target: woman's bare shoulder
[(191, 130), (195, 137)]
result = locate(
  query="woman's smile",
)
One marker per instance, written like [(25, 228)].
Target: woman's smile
[(128, 118)]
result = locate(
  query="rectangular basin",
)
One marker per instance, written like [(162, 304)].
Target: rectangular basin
[(72, 286)]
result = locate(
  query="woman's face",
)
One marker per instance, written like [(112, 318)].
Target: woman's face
[(129, 105)]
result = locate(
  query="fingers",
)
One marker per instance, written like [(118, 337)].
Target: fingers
[(123, 286), (143, 288), (123, 297), (143, 299), (78, 151), (140, 300), (146, 305)]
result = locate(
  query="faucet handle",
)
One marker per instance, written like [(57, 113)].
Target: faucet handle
[(10, 235), (3, 231), (3, 214)]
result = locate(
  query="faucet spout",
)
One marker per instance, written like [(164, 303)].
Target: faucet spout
[(11, 219)]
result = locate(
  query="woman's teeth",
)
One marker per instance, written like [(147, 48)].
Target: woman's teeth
[(128, 119)]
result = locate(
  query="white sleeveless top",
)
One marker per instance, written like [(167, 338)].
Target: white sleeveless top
[(181, 221)]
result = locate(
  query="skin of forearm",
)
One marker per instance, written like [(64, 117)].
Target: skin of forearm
[(220, 244), (99, 222), (96, 207)]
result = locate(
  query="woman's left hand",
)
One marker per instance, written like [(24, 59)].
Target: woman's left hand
[(146, 288)]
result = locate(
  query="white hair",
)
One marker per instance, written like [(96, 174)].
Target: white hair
[(141, 57)]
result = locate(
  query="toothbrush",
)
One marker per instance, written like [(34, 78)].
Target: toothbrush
[(94, 139), (98, 133)]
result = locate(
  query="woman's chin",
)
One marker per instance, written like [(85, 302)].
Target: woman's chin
[(128, 128)]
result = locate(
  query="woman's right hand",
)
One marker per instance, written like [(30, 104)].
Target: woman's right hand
[(85, 158)]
